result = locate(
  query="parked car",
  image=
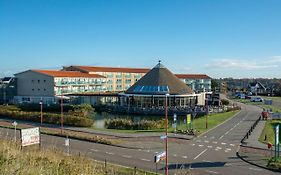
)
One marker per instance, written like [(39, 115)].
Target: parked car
[(256, 99)]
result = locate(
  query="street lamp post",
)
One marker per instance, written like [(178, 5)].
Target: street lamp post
[(61, 118), (166, 115), (41, 111)]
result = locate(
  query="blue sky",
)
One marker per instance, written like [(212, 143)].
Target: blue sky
[(221, 38)]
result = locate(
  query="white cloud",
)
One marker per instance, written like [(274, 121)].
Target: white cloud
[(243, 64)]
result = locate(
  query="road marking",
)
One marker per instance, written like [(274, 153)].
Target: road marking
[(205, 136), (228, 149), (193, 144), (212, 137), (206, 141), (223, 143), (221, 137), (198, 140), (126, 156), (208, 171), (95, 150), (215, 142), (231, 144), (185, 157), (200, 154), (210, 146), (147, 151), (255, 169), (156, 152), (109, 153), (200, 145), (139, 149), (175, 155), (218, 147), (146, 160), (228, 164)]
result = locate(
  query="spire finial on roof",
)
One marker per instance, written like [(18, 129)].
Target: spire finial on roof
[(159, 62)]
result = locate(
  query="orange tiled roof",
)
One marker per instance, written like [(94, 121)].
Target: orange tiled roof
[(193, 76), (112, 69), (56, 73)]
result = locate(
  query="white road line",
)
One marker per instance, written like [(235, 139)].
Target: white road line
[(200, 145), (95, 150), (206, 141), (193, 144), (228, 164), (175, 155), (185, 157), (223, 143), (139, 149), (198, 140), (213, 172), (228, 149), (126, 156), (109, 153), (215, 142), (156, 152), (205, 136), (255, 169), (147, 151), (200, 154), (221, 137), (218, 147), (146, 160), (210, 146), (231, 144)]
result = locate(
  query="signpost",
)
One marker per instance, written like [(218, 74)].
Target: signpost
[(15, 125), (30, 136), (174, 125), (66, 143), (188, 121), (158, 157), (277, 141)]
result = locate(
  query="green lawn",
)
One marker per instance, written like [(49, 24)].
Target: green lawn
[(198, 124), (272, 108), (268, 130)]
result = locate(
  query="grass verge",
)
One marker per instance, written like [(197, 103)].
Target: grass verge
[(13, 160), (268, 132)]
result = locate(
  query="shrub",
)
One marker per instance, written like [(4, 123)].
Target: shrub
[(127, 124), (225, 102)]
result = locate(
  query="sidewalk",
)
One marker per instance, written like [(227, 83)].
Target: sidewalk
[(253, 140)]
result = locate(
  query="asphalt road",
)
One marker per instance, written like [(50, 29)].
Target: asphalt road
[(210, 153)]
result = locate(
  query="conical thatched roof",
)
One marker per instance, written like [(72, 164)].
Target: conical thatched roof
[(159, 81)]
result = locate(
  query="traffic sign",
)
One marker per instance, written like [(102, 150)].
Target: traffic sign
[(188, 118), (163, 137), (160, 156), (277, 134)]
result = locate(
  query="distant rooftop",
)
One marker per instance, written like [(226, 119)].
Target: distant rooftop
[(56, 73), (109, 69), (192, 76)]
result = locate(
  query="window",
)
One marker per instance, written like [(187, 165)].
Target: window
[(154, 89), (32, 89), (44, 81), (38, 89), (38, 81), (44, 89)]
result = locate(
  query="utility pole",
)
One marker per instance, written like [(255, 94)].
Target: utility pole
[(166, 113), (61, 118), (41, 111)]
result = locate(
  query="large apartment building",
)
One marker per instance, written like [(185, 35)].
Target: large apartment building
[(120, 79), (117, 79), (36, 85), (197, 82), (47, 85)]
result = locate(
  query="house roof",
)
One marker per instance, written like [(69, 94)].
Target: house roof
[(192, 76), (110, 69), (159, 80), (56, 73)]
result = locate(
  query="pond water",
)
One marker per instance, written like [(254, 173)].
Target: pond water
[(100, 118)]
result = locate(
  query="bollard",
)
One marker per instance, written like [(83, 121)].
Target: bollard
[(135, 170)]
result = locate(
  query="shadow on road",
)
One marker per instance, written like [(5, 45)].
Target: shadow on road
[(195, 165)]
